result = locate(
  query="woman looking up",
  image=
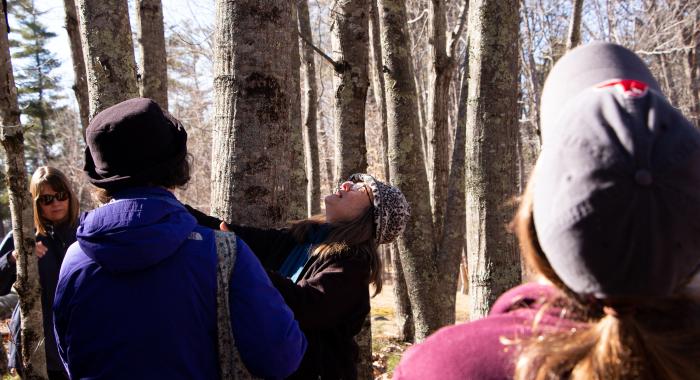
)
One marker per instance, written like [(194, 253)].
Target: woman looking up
[(322, 266)]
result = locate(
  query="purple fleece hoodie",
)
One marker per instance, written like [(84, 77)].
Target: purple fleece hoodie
[(474, 350), (136, 298)]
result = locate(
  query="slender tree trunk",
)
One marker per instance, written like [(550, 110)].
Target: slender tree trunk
[(80, 88), (109, 52), (313, 169), (27, 284), (298, 184), (573, 37), (350, 52), (252, 124), (691, 40), (404, 314), (406, 167), (492, 133), (153, 60), (454, 235), (404, 318), (350, 47), (438, 104), (667, 76)]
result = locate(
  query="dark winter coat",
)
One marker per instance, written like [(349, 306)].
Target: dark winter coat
[(136, 298), (330, 299), (56, 240)]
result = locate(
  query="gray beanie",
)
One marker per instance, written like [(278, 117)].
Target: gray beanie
[(391, 210), (616, 190)]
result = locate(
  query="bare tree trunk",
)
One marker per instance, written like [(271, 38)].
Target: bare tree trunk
[(313, 169), (153, 60), (407, 169), (573, 37), (377, 64), (27, 284), (297, 208), (454, 235), (350, 48), (404, 314), (404, 318), (691, 40), (492, 133), (350, 52), (252, 125), (80, 87), (108, 52), (667, 76)]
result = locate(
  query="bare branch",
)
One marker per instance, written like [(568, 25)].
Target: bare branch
[(320, 52), (457, 32)]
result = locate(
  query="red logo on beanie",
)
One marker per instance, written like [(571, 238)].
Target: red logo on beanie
[(627, 87)]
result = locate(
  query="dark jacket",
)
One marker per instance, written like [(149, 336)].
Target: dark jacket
[(136, 298), (330, 300), (57, 240), (475, 350)]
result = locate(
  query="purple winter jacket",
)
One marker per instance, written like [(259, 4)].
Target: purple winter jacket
[(136, 298), (474, 350)]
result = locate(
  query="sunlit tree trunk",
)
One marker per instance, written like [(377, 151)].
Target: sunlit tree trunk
[(407, 169), (573, 37), (80, 88), (109, 52), (310, 109), (403, 316), (491, 158), (153, 60), (350, 53), (252, 123), (27, 285), (297, 207)]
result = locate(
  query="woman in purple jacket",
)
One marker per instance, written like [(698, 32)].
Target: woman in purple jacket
[(610, 222), (137, 293)]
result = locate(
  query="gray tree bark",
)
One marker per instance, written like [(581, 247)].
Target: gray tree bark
[(298, 184), (406, 167), (454, 233), (310, 135), (80, 87), (404, 317), (573, 37), (27, 284), (492, 135), (153, 60), (108, 51), (350, 52), (252, 122)]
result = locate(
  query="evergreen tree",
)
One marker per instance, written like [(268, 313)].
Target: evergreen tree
[(37, 86)]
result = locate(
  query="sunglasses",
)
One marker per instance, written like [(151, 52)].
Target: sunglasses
[(47, 199), (359, 186)]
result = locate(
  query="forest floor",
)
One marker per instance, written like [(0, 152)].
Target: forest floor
[(386, 349)]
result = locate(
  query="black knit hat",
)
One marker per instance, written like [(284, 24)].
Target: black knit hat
[(391, 210), (130, 143)]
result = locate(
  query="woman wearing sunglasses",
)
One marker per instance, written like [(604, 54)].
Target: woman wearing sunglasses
[(323, 266), (55, 221)]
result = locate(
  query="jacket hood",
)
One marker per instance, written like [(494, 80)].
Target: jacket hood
[(138, 229)]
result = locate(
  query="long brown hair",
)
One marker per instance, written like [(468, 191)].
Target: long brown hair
[(50, 176), (651, 339), (357, 235)]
